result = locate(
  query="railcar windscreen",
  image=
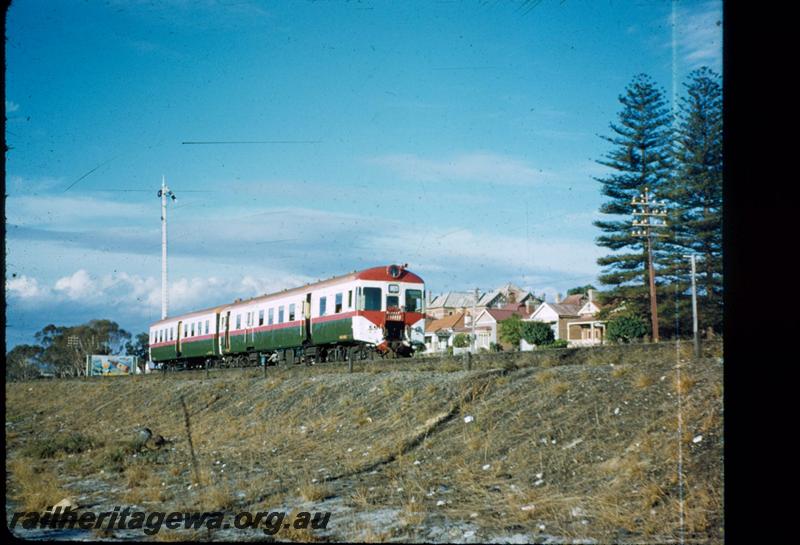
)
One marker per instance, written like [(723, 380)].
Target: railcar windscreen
[(413, 300), (372, 298)]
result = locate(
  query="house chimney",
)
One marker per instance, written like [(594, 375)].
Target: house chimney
[(530, 305), (558, 297), (591, 295)]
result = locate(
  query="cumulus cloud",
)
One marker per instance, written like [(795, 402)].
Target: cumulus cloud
[(699, 34), (79, 285), (23, 287), (479, 167), (11, 106)]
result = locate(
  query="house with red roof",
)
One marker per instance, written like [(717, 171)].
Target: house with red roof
[(487, 321), (573, 319)]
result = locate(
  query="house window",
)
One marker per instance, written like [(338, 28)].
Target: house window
[(338, 305), (280, 314), (291, 312), (372, 298), (323, 302), (238, 321), (413, 300), (261, 317), (270, 316)]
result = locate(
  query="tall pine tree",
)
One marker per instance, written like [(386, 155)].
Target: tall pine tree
[(640, 158), (696, 190)]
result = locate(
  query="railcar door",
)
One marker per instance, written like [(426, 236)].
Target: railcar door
[(228, 331), (307, 317), (178, 339)]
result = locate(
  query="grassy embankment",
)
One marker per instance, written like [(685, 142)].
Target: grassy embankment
[(574, 443)]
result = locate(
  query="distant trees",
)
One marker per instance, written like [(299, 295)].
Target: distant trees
[(63, 349), (682, 166), (139, 346), (582, 290), (23, 362)]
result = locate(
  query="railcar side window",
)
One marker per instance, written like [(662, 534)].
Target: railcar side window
[(392, 301), (271, 315), (261, 317), (291, 312), (338, 306), (185, 330), (280, 314), (206, 327), (413, 300), (350, 299), (238, 321), (323, 302), (372, 298), (192, 329)]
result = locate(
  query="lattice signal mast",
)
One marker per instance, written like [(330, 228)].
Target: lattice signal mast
[(649, 214)]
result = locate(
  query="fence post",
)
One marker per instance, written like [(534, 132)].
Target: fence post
[(468, 360)]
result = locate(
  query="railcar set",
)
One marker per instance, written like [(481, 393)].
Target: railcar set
[(374, 312)]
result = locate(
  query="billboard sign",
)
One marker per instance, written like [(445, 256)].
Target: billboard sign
[(111, 365)]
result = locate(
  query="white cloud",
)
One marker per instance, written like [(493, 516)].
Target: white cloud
[(11, 106), (79, 285), (479, 167), (23, 287), (699, 34)]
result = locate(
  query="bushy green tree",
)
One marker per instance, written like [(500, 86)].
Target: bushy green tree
[(510, 330), (461, 340), (626, 328), (138, 347), (537, 333), (639, 159)]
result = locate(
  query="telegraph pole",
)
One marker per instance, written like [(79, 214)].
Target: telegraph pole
[(472, 321), (694, 307), (163, 193), (648, 211)]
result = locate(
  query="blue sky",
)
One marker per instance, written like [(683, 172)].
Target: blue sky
[(459, 137)]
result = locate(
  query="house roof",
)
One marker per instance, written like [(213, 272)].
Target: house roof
[(574, 299), (563, 310), (448, 322), (453, 299)]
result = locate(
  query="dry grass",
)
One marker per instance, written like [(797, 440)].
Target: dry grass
[(547, 437), (314, 491), (34, 487)]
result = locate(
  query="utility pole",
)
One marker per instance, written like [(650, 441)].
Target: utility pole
[(648, 211), (472, 321), (694, 307), (163, 193)]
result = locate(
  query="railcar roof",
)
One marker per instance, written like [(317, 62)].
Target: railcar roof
[(374, 273)]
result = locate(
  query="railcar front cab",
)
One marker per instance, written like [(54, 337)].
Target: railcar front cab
[(395, 303)]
